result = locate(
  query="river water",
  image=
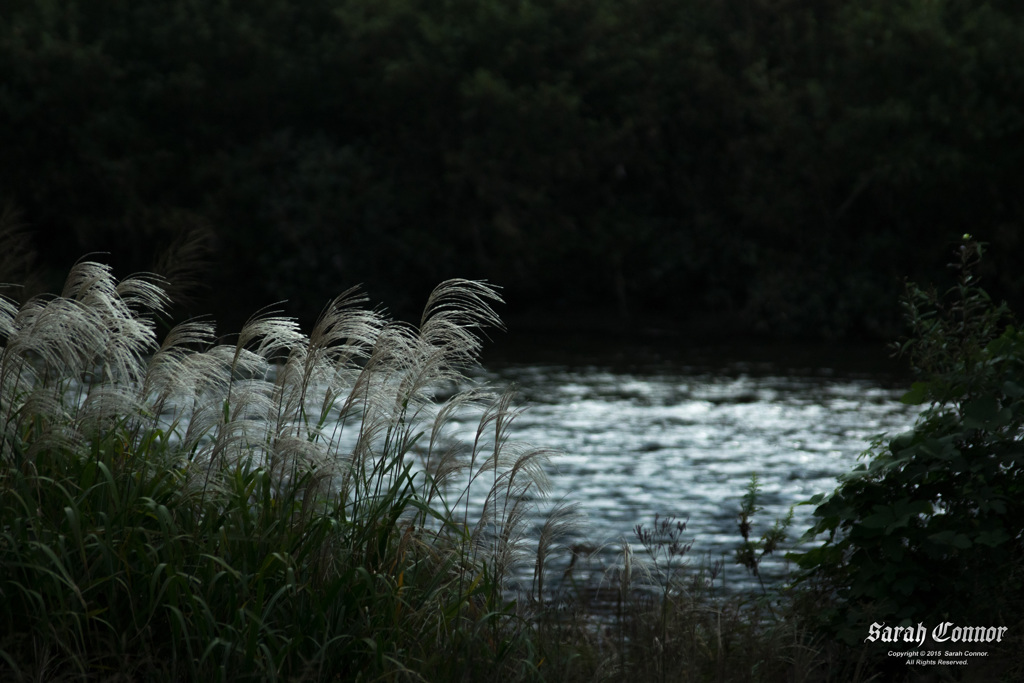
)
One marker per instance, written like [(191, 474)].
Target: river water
[(679, 432)]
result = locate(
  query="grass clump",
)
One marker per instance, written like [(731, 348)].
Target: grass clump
[(267, 509)]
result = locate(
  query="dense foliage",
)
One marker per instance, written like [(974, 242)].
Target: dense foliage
[(930, 528), (781, 164)]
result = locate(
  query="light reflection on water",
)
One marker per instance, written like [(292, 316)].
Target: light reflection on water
[(685, 443)]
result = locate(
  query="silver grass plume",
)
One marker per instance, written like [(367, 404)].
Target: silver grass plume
[(328, 359), (172, 374), (445, 457), (513, 474), (454, 313), (559, 523)]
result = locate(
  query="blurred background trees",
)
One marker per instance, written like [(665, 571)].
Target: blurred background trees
[(769, 167)]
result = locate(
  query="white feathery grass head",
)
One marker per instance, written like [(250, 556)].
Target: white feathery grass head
[(382, 387), (347, 329), (200, 424), (454, 313), (332, 361), (445, 456), (107, 405), (560, 522), (267, 335), (143, 292), (508, 547), (236, 363), (514, 473), (196, 333), (289, 454), (85, 278), (462, 303), (58, 332), (172, 371)]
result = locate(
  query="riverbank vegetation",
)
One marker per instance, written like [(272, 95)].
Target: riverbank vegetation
[(771, 168), (284, 506), (303, 501), (929, 530), (267, 509)]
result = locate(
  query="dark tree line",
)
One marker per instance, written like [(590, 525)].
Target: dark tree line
[(774, 166)]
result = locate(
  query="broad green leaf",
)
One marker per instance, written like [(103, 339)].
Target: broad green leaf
[(917, 394)]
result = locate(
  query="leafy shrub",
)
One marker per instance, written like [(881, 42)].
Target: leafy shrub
[(930, 527)]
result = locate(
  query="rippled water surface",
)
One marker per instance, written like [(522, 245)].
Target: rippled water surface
[(683, 440)]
